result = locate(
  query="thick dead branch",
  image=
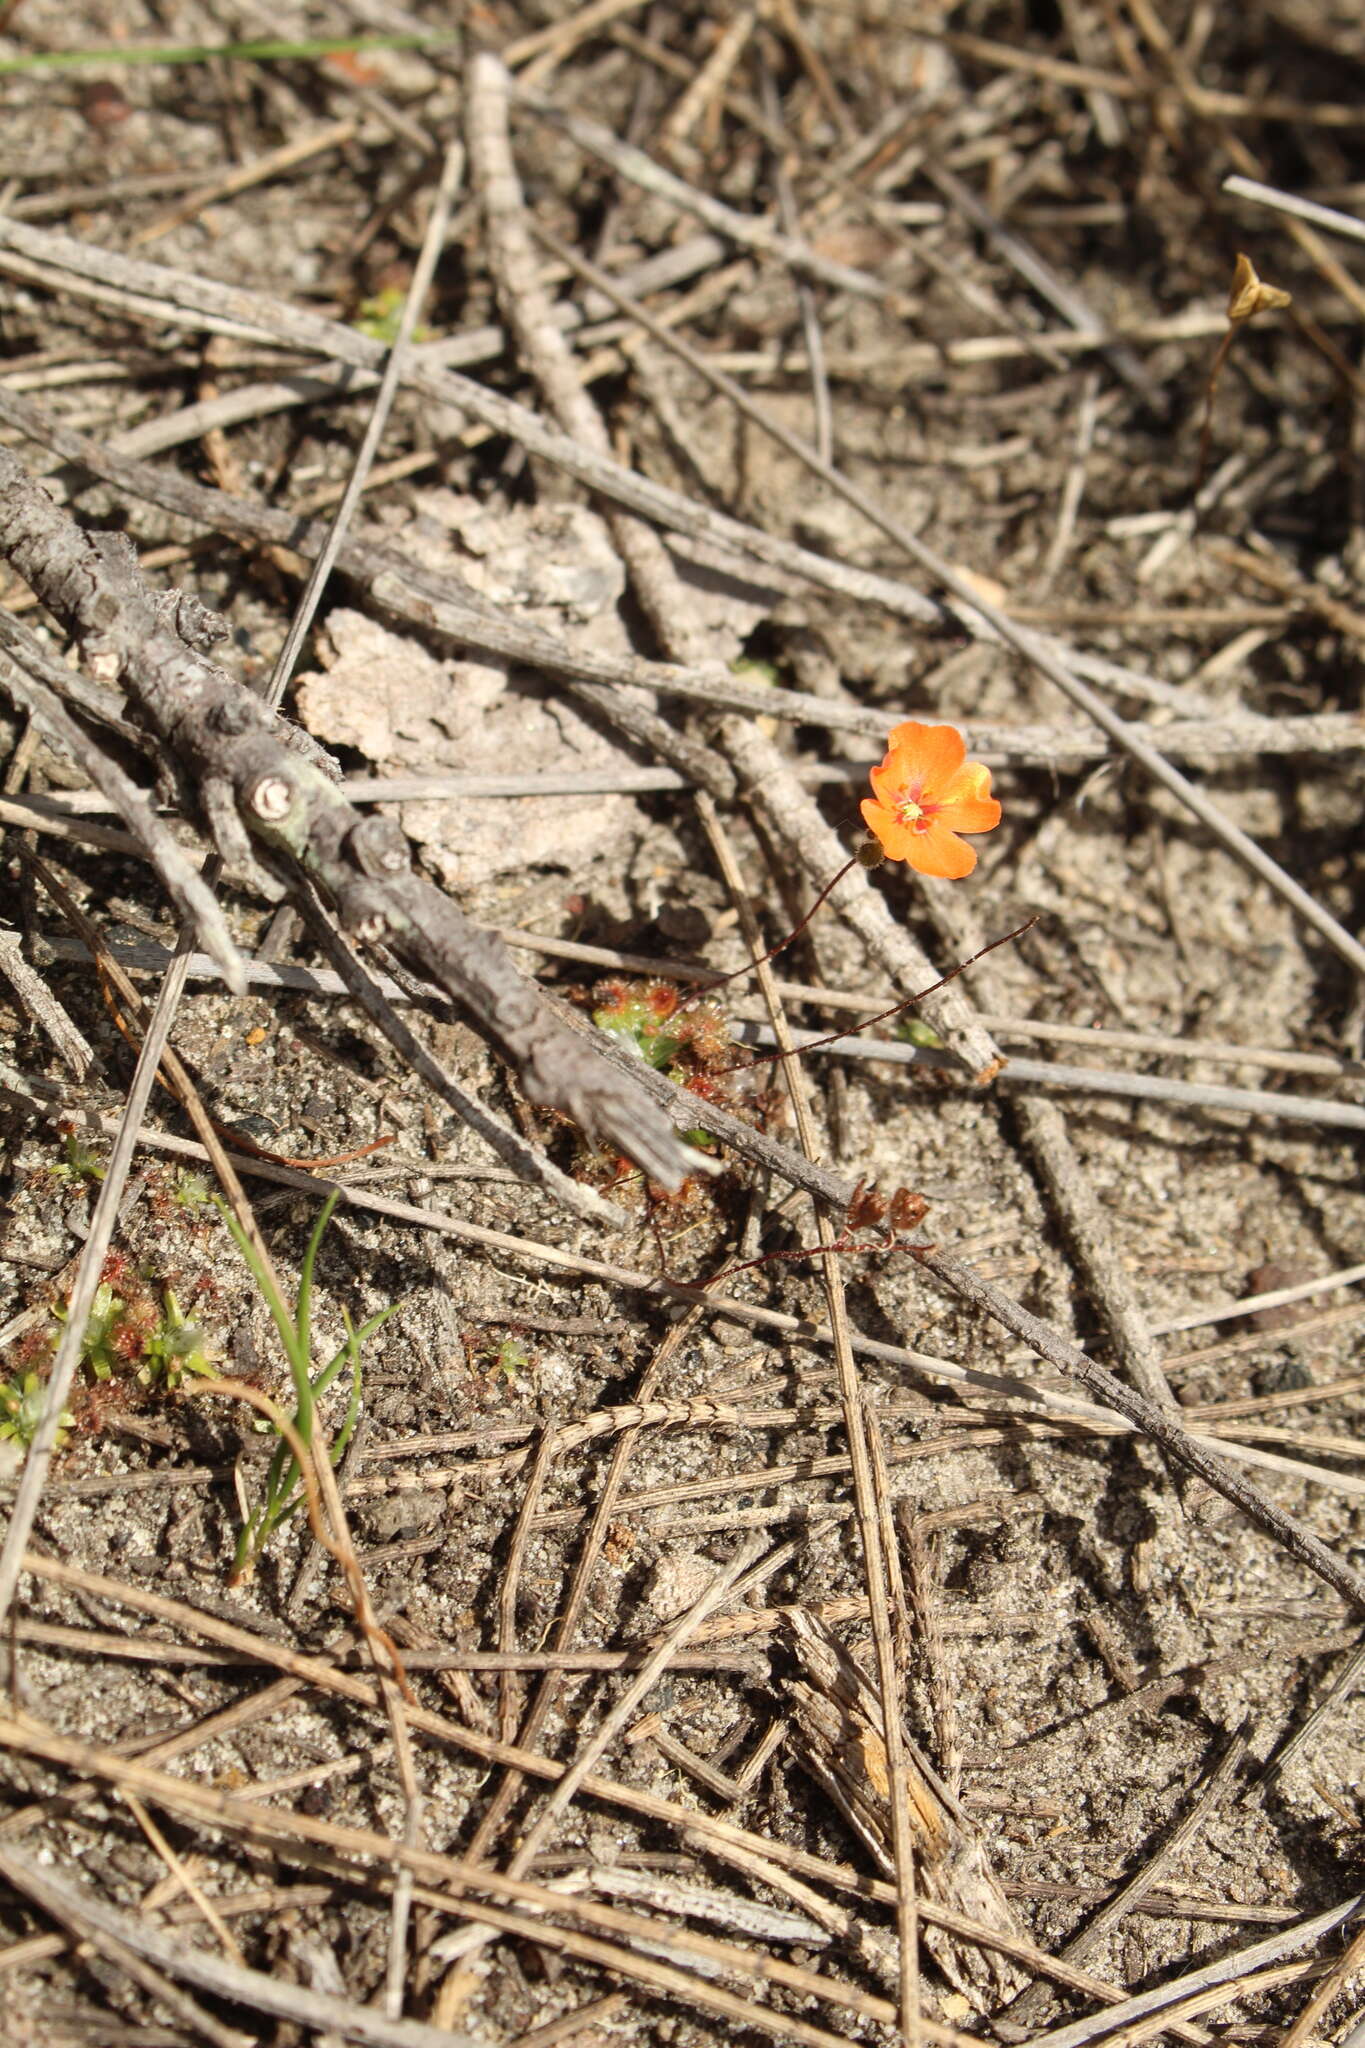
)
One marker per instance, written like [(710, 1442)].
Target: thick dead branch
[(268, 781), (35, 684), (147, 290), (525, 1161)]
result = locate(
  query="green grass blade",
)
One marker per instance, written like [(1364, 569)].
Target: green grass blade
[(354, 1339), (282, 1494), (303, 1314), (279, 1313), (264, 52)]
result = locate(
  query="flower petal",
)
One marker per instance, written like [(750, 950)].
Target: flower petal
[(973, 779), (889, 780), (967, 803), (895, 838), (970, 814), (933, 753), (940, 852)]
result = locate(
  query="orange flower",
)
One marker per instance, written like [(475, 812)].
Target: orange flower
[(926, 792)]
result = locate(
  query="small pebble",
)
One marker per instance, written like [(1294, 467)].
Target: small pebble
[(103, 105), (1269, 1279)]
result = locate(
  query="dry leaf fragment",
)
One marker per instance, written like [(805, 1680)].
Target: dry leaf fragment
[(838, 1738), (1250, 296)]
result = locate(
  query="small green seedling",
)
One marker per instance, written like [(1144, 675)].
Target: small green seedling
[(127, 1332), (100, 1348), (21, 1410), (914, 1031), (282, 1494), (748, 668), (640, 1014), (78, 1162), (685, 1041), (512, 1363), (174, 1348), (381, 317)]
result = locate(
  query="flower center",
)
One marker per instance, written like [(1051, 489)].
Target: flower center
[(915, 811)]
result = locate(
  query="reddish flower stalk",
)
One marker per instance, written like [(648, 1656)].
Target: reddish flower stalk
[(771, 1058)]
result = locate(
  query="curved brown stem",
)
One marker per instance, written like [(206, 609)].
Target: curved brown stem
[(782, 945), (765, 1059)]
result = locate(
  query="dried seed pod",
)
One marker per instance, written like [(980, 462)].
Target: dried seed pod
[(907, 1209), (866, 1207)]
